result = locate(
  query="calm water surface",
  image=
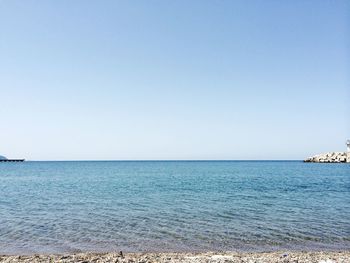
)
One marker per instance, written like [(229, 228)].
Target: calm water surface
[(57, 207)]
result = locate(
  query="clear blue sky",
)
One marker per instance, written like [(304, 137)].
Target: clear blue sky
[(174, 79)]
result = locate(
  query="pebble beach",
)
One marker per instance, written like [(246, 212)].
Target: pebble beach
[(270, 257)]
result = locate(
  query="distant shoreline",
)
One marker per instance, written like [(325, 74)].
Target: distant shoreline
[(11, 160)]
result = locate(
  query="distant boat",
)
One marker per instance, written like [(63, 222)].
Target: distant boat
[(4, 159)]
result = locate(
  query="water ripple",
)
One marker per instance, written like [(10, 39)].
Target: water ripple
[(57, 207)]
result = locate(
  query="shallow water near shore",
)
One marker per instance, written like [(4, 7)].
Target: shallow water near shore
[(135, 206)]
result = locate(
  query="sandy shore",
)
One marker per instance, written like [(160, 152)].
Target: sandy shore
[(295, 257)]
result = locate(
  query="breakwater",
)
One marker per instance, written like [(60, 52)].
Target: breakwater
[(330, 157)]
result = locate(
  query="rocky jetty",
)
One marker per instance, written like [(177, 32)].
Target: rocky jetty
[(330, 157)]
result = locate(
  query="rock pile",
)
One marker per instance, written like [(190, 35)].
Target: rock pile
[(330, 157)]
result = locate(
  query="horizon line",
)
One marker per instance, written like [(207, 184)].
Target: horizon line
[(161, 160)]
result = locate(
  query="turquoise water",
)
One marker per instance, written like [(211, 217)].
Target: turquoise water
[(57, 207)]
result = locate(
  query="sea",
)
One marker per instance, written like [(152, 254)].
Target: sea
[(178, 206)]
